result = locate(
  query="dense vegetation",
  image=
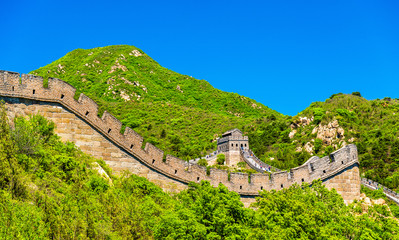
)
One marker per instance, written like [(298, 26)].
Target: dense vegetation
[(183, 116), (51, 190)]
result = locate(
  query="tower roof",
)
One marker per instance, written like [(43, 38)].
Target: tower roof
[(231, 131)]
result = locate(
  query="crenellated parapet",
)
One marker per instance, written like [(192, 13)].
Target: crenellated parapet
[(330, 168)]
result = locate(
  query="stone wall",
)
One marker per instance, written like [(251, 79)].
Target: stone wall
[(346, 182), (72, 128), (77, 121)]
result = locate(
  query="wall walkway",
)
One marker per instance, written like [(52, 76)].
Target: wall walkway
[(77, 121)]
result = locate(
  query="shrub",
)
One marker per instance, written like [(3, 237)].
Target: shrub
[(356, 94), (318, 115), (317, 145), (28, 134), (241, 164), (335, 94), (203, 162), (220, 159)]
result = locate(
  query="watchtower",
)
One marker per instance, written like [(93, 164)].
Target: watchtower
[(231, 143)]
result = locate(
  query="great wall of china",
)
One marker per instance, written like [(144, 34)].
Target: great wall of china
[(77, 121)]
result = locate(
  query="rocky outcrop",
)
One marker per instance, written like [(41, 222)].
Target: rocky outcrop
[(308, 147), (330, 133)]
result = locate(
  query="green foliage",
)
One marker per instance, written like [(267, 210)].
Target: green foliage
[(28, 134), (241, 164), (346, 114), (317, 145), (300, 212), (373, 194), (220, 159), (356, 94), (203, 162), (318, 114), (208, 213), (334, 95), (21, 220), (163, 133)]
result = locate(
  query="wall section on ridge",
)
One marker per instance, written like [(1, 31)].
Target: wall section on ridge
[(71, 128), (77, 121)]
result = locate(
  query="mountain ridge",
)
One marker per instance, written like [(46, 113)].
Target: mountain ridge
[(124, 77), (184, 116)]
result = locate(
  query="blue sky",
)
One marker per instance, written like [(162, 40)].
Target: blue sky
[(284, 54)]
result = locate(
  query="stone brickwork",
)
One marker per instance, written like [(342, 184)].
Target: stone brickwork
[(77, 121), (346, 182), (231, 144)]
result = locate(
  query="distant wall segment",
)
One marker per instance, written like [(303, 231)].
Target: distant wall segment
[(77, 121)]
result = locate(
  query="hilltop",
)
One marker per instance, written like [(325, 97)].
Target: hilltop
[(177, 113), (342, 119)]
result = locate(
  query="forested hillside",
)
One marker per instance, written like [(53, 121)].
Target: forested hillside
[(52, 190), (184, 116)]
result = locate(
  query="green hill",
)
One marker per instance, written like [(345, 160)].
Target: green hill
[(177, 113), (184, 116), (342, 119)]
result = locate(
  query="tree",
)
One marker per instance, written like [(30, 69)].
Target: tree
[(203, 162), (163, 133), (317, 145), (220, 159)]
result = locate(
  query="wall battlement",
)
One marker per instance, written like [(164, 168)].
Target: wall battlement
[(26, 86)]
